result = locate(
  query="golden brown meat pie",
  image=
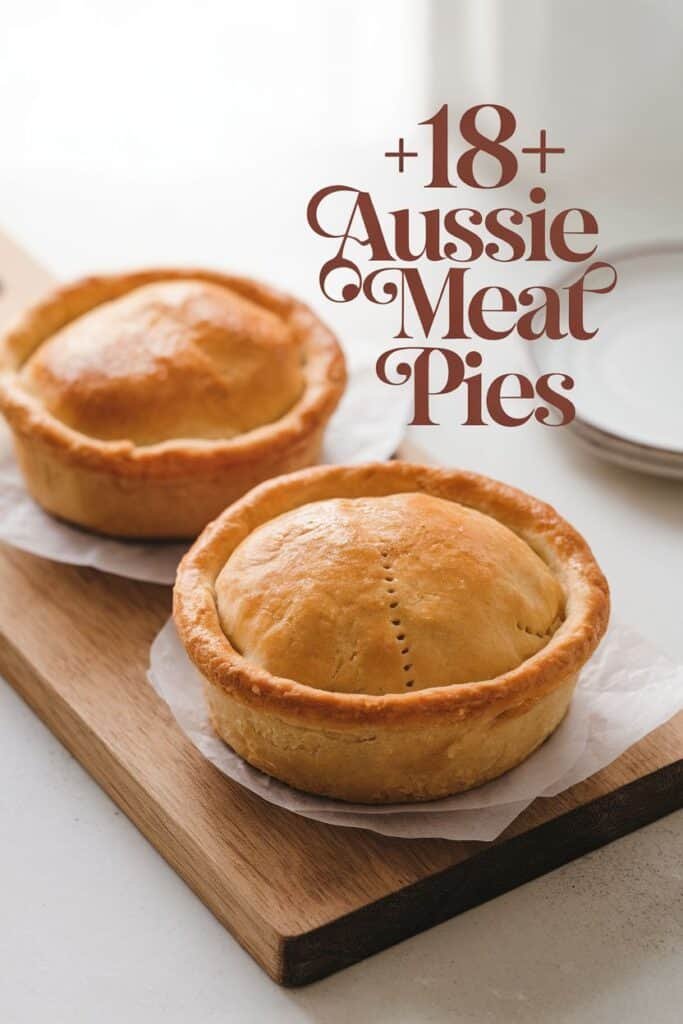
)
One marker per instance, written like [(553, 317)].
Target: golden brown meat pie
[(142, 404), (388, 632)]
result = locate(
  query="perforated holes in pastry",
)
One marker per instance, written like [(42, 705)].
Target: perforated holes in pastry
[(544, 635), (395, 618)]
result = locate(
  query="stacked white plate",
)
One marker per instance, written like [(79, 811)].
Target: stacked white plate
[(628, 389)]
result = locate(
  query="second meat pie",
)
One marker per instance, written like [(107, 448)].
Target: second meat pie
[(142, 404)]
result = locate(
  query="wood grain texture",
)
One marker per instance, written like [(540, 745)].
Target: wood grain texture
[(303, 898)]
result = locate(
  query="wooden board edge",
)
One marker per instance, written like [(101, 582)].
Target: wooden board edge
[(255, 934), (495, 869)]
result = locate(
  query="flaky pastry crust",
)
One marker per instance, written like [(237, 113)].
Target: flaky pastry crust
[(418, 744), (171, 488)]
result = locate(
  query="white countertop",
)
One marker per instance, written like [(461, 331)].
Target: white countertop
[(139, 137)]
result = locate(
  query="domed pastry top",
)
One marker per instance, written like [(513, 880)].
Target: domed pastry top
[(388, 594), (170, 359)]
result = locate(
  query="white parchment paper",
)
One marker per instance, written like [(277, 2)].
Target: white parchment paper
[(627, 690), (367, 426)]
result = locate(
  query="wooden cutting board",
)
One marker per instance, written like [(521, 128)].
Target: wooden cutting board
[(304, 898)]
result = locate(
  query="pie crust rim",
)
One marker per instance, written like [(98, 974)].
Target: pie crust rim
[(515, 691), (325, 379)]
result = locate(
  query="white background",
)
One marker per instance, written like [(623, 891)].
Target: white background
[(143, 132)]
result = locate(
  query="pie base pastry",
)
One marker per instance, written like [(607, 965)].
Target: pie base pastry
[(389, 632), (142, 404)]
